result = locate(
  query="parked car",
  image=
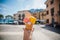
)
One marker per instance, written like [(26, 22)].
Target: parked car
[(1, 21), (37, 21), (15, 22), (40, 21), (20, 22), (9, 21)]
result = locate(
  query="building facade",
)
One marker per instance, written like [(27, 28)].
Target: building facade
[(52, 11), (20, 15), (36, 15), (40, 15)]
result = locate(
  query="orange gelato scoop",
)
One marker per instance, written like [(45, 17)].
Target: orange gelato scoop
[(26, 20)]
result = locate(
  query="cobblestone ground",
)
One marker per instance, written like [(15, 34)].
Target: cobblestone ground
[(15, 32)]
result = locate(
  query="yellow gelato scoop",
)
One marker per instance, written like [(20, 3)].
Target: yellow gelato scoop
[(32, 19)]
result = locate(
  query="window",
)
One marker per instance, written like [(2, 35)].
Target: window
[(23, 16), (47, 5), (59, 10), (19, 17), (59, 7), (52, 12), (52, 1), (14, 18), (47, 12), (47, 20), (59, 13)]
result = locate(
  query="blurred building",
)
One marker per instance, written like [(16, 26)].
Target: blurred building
[(20, 15), (36, 15), (53, 12), (36, 12), (40, 15)]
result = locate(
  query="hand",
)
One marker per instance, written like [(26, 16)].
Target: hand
[(32, 29), (26, 35)]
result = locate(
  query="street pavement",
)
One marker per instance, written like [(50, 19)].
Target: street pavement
[(15, 32)]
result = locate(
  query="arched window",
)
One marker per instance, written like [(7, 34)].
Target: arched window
[(23, 15), (19, 17)]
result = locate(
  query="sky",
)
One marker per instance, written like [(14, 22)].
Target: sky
[(10, 7)]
